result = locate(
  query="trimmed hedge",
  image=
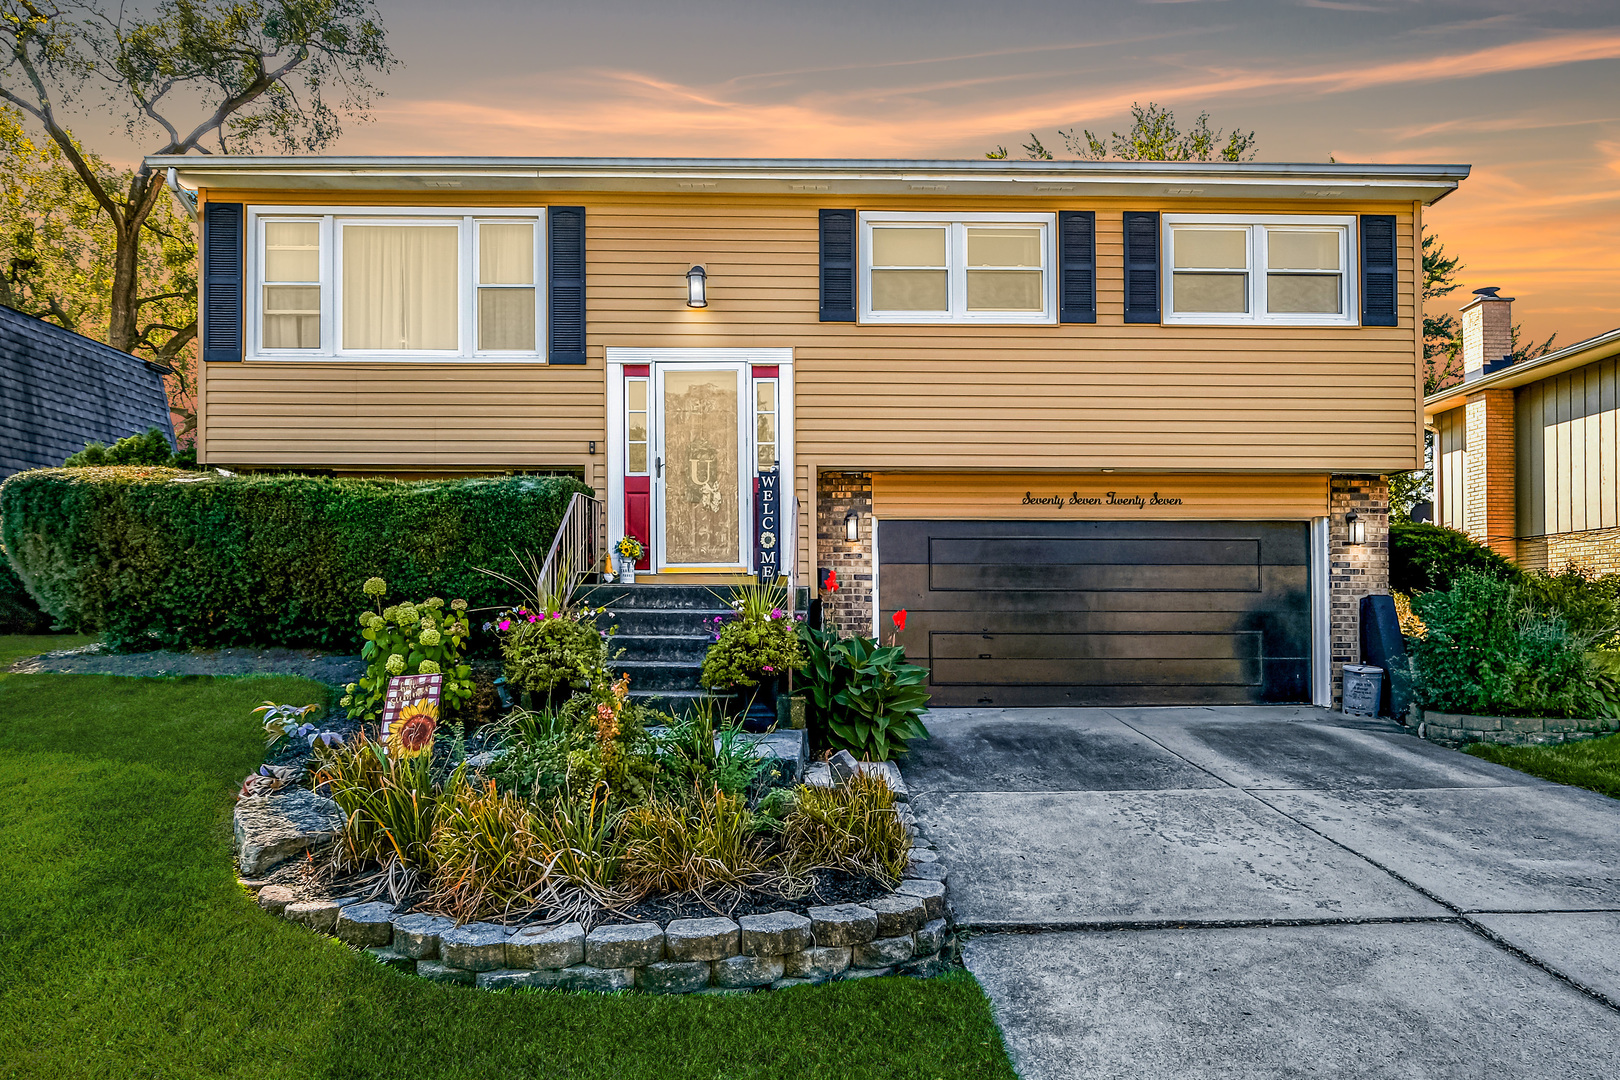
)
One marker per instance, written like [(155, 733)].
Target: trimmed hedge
[(156, 556), (18, 612), (1423, 557)]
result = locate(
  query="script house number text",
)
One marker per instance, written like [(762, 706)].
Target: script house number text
[(1107, 498)]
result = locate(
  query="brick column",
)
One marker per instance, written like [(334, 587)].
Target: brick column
[(1354, 570), (837, 493), (1490, 505)]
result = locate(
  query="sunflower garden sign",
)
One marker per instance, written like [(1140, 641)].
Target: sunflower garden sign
[(411, 714)]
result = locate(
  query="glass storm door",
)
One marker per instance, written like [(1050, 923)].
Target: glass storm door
[(699, 486)]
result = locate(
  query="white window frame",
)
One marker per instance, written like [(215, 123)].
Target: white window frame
[(956, 226), (332, 219), (1257, 227)]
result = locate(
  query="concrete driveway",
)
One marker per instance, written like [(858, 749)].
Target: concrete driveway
[(1272, 892)]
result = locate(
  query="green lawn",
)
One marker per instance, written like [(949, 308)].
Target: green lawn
[(15, 647), (127, 949), (1590, 763)]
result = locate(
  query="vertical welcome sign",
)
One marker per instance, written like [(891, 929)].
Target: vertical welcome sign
[(768, 525)]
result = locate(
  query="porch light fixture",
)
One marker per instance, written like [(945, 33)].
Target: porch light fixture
[(697, 288), (852, 526), (1355, 530)]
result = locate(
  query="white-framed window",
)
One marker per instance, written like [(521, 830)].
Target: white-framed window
[(396, 283), (973, 268), (765, 410), (1283, 270), (637, 433)]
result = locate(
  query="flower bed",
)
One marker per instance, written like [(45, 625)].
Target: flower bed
[(585, 840)]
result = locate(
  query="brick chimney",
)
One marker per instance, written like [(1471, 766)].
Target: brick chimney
[(1489, 504), (1487, 333)]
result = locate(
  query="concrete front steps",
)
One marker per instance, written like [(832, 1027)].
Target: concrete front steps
[(662, 634)]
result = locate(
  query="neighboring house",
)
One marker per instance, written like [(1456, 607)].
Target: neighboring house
[(1111, 433), (60, 390), (1525, 456)]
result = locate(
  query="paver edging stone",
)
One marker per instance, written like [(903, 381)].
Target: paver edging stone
[(906, 930), (1459, 729)]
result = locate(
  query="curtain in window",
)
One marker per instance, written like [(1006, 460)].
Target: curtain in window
[(506, 286), (400, 287)]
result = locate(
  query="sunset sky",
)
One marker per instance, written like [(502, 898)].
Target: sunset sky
[(1530, 99)]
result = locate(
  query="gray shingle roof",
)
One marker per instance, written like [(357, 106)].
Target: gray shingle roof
[(60, 390)]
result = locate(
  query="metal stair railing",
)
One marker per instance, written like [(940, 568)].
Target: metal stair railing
[(575, 551)]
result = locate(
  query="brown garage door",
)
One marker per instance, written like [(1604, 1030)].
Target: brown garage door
[(1102, 613)]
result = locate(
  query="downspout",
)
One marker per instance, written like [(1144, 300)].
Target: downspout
[(187, 199)]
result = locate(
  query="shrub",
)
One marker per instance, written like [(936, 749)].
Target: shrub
[(1588, 604), (151, 448), (853, 827), (1483, 653), (410, 639), (864, 697), (1430, 557), (19, 614), (701, 751), (185, 559)]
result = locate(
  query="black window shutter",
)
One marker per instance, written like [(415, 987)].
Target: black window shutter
[(1142, 266), (838, 266), (566, 326), (1379, 276), (222, 282), (1077, 254)]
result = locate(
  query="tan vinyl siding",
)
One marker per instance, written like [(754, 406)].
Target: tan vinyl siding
[(1450, 468), (1011, 496), (1076, 397), (1568, 468)]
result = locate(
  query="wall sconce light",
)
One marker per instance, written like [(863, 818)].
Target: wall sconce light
[(697, 287), (852, 526), (1355, 530)]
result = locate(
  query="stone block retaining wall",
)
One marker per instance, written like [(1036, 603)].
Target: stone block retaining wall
[(1456, 729), (904, 932)]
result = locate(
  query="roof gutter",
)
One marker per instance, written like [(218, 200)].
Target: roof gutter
[(187, 199)]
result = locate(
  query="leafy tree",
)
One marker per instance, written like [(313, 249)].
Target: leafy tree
[(242, 75), (1154, 136), (58, 248), (1442, 334)]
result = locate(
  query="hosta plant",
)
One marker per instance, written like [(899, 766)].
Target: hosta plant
[(428, 638)]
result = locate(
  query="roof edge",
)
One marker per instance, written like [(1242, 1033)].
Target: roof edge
[(1598, 347)]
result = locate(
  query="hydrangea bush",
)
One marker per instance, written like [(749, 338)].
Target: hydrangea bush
[(426, 638)]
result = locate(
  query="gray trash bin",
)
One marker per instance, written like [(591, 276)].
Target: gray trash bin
[(1363, 686)]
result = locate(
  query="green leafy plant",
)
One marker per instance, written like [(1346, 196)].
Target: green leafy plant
[(1482, 652), (286, 723), (1588, 604), (549, 653), (760, 643), (390, 804), (853, 826), (701, 750), (410, 639), (864, 697)]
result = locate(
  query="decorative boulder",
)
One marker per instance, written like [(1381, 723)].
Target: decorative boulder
[(274, 828)]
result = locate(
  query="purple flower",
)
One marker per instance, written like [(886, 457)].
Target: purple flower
[(776, 613), (506, 624)]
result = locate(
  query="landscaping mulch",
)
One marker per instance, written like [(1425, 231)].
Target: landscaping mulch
[(95, 660)]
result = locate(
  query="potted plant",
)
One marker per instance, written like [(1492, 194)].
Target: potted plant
[(754, 651), (626, 553)]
